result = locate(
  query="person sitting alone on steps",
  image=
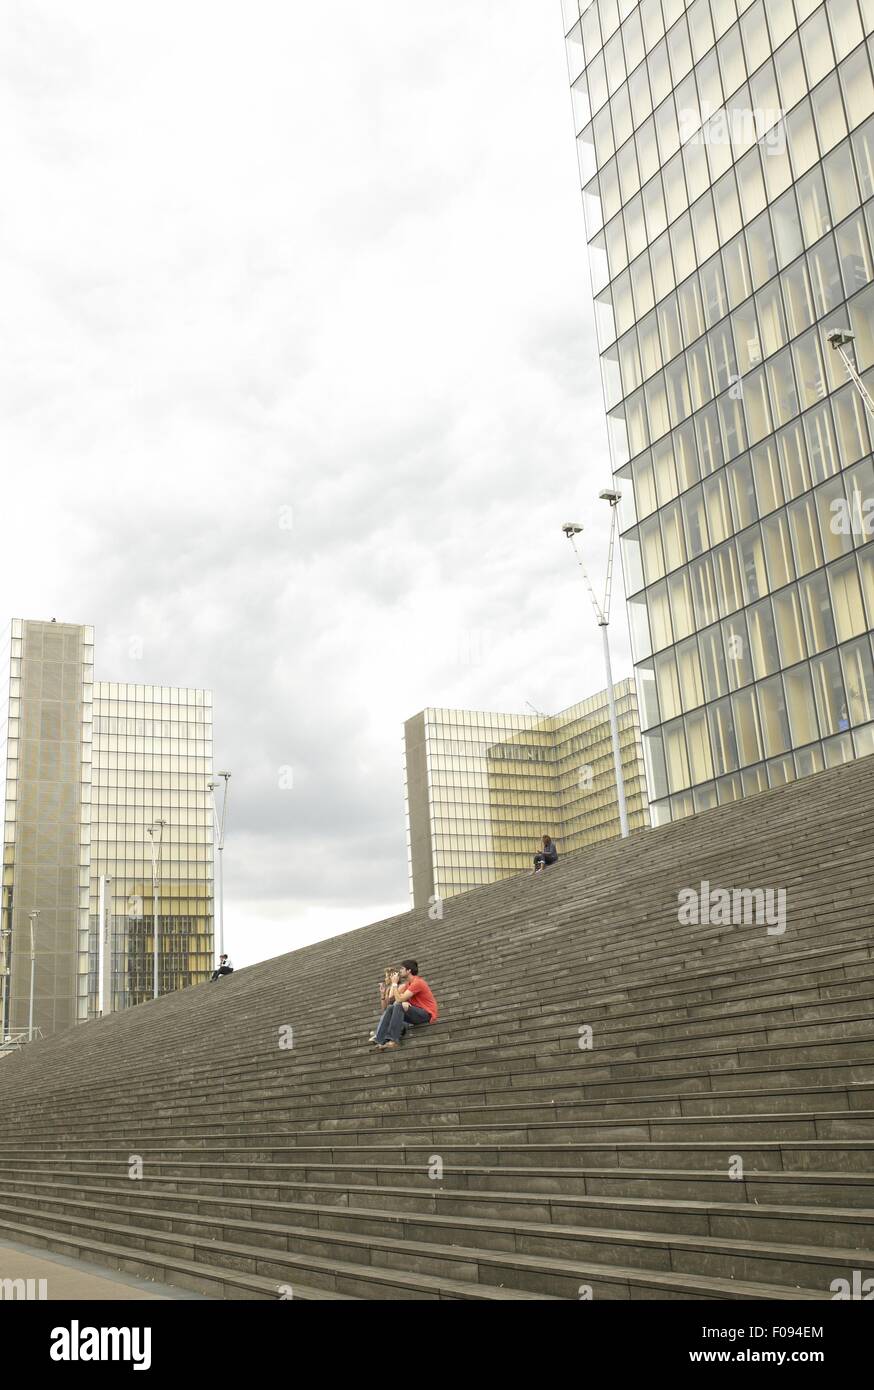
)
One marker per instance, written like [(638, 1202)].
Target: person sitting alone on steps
[(409, 1001), (546, 856), (224, 967)]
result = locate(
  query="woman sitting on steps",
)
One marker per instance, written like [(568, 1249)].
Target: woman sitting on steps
[(545, 856)]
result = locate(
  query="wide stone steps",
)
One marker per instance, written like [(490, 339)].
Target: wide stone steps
[(857, 957), (278, 1202), (279, 1251), (543, 1035), (612, 1168)]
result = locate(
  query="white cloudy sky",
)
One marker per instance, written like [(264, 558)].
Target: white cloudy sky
[(327, 258)]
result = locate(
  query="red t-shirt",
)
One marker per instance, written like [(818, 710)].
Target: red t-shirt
[(422, 998)]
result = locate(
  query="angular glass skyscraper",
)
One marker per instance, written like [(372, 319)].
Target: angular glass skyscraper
[(727, 156)]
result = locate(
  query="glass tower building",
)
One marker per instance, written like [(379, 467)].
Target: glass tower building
[(726, 150), (86, 767), (482, 789), (152, 760), (46, 685)]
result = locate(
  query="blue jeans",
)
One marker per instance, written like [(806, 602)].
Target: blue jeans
[(390, 1025)]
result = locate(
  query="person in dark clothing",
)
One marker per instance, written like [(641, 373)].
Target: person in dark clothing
[(546, 856), (224, 967)]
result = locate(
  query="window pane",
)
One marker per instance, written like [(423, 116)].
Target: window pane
[(846, 598), (712, 663), (722, 738), (698, 741), (793, 457), (695, 522), (727, 573), (743, 494), (654, 762), (799, 703), (704, 591), (737, 651), (804, 528), (718, 507), (746, 727), (689, 672), (798, 297), (790, 629), (751, 555), (767, 477), (672, 536), (659, 616), (817, 611), (859, 680), (821, 445), (763, 639), (854, 254), (675, 756), (828, 687), (647, 699), (778, 551), (651, 549), (667, 685), (782, 385), (774, 718)]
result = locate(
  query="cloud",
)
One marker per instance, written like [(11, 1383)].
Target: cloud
[(298, 383)]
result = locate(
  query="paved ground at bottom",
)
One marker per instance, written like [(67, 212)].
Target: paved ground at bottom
[(76, 1279)]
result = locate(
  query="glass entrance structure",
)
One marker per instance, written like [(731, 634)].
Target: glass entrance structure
[(726, 150)]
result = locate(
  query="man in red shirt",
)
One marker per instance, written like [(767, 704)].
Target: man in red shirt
[(409, 1001)]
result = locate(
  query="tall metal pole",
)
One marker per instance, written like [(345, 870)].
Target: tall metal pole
[(32, 916), (104, 945), (219, 822), (602, 614), (101, 900), (614, 733), (221, 887), (4, 976), (156, 906)]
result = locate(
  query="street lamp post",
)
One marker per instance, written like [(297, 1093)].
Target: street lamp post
[(5, 954), (156, 869), (602, 614), (102, 940), (839, 339), (219, 822), (33, 920)]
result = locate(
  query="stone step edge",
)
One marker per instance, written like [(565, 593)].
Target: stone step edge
[(611, 1274), (729, 1245), (61, 1179)]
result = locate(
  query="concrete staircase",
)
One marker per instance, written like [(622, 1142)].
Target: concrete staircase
[(714, 1142)]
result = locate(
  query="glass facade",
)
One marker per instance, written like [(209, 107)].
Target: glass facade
[(152, 760), (482, 789), (727, 158), (46, 681), (86, 768)]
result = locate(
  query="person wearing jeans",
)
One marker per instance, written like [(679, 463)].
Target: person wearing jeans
[(546, 856), (409, 1001)]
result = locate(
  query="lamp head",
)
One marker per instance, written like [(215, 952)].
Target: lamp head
[(840, 337), (571, 528), (611, 495)]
